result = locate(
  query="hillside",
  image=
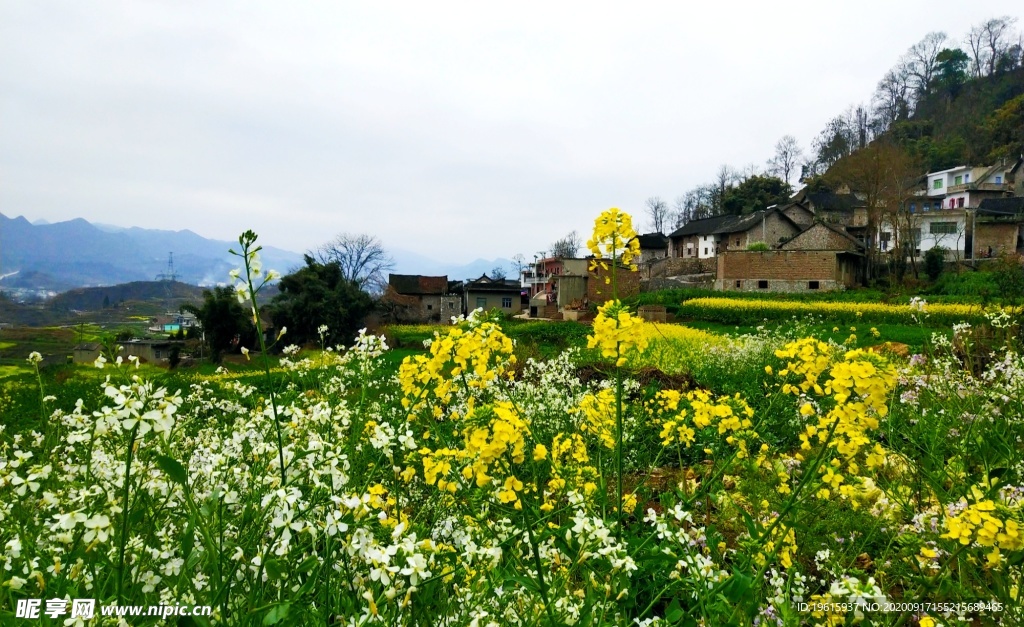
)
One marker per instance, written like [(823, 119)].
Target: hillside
[(170, 294), (980, 123)]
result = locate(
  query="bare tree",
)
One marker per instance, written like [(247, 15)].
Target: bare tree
[(988, 42), (921, 60), (787, 158), (892, 97), (567, 247), (657, 211), (362, 259), (498, 273)]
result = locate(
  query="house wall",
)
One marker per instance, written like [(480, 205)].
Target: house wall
[(799, 215), (571, 288), (784, 271), (627, 284), (818, 238), (1001, 237), (493, 300)]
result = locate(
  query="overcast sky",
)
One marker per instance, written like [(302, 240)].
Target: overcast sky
[(456, 131)]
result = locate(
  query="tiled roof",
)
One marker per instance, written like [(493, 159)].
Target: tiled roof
[(415, 284), (704, 226), (653, 241), (1001, 206)]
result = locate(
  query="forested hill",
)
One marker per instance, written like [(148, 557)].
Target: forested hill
[(981, 122)]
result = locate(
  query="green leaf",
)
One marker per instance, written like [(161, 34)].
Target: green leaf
[(174, 469), (188, 540), (276, 569), (277, 614), (307, 564)]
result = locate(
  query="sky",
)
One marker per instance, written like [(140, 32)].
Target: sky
[(455, 131)]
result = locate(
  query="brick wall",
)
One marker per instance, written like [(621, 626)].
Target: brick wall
[(778, 264), (1001, 237), (627, 284)]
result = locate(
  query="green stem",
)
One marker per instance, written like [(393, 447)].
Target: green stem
[(123, 539)]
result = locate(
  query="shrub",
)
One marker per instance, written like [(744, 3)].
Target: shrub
[(934, 261)]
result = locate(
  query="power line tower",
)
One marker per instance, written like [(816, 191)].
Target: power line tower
[(168, 277), (168, 274)]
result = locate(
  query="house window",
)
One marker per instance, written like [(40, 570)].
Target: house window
[(739, 283), (481, 301), (883, 240), (429, 307), (999, 179), (958, 180), (937, 184), (943, 228), (813, 285), (959, 202), (506, 302), (913, 207), (705, 250), (967, 177), (737, 243), (762, 285)]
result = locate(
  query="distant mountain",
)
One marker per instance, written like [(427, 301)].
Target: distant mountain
[(407, 262), (76, 253)]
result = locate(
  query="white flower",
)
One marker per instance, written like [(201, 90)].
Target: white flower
[(234, 274), (100, 361), (245, 351), (34, 357), (242, 292), (281, 333)]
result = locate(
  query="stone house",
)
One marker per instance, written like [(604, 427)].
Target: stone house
[(789, 270), (822, 236), (653, 246), (999, 227), (707, 237), (418, 298)]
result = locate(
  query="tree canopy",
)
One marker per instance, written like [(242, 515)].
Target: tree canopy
[(226, 324), (319, 294)]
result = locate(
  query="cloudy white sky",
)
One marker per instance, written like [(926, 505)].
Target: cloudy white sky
[(454, 130)]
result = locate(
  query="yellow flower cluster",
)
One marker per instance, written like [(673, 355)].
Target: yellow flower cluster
[(782, 543), (617, 332), (598, 416), (750, 308), (859, 384), (614, 238), (731, 414), (476, 356), (979, 523)]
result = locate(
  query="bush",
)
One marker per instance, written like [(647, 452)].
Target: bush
[(934, 260)]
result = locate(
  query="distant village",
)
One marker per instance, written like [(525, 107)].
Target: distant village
[(816, 241)]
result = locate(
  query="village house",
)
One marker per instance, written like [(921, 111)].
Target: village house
[(653, 246), (148, 351), (708, 237), (418, 298), (999, 227), (487, 294), (822, 257)]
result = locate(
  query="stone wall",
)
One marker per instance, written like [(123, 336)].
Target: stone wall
[(818, 237), (675, 266), (1002, 237)]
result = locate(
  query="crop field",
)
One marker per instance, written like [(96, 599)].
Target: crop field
[(651, 474)]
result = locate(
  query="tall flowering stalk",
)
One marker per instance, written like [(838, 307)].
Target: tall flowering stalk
[(245, 290), (616, 331)]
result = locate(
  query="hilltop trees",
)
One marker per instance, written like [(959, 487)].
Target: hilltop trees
[(567, 247), (361, 259)]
